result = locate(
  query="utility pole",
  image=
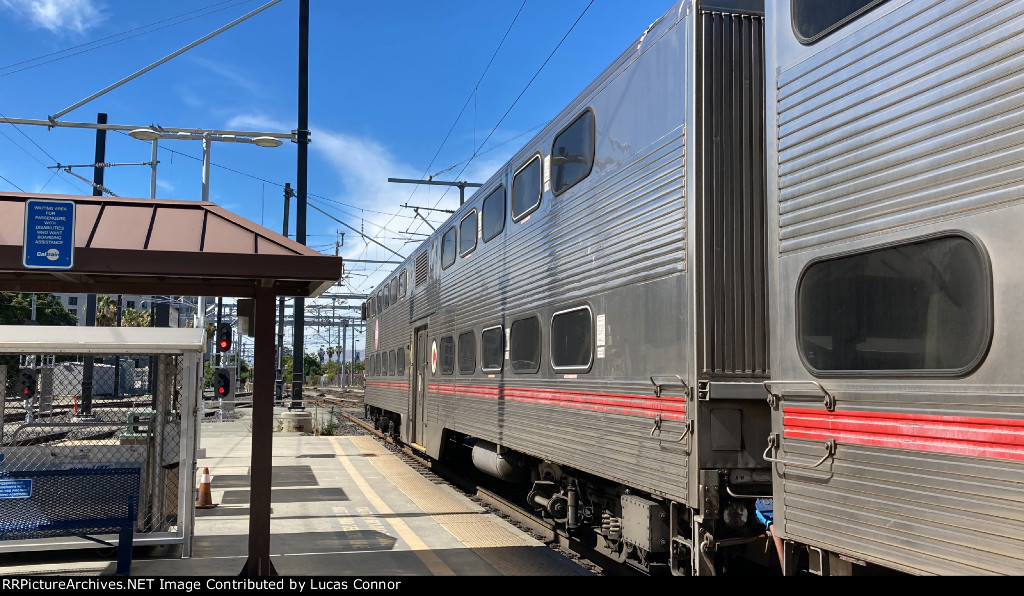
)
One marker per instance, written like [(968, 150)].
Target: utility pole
[(302, 136), (352, 371), (220, 307), (90, 301), (279, 373), (117, 359)]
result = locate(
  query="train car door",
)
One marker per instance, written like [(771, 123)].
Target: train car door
[(418, 390)]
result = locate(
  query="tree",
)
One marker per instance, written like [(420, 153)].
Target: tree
[(106, 311), (16, 309), (330, 353), (245, 371), (311, 366), (106, 314), (286, 367), (134, 318)]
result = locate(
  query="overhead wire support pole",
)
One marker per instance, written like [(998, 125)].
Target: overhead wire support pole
[(97, 165), (182, 132), (463, 185), (88, 368), (54, 117), (96, 187), (416, 210), (298, 348)]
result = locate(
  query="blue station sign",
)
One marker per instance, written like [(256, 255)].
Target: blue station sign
[(49, 234)]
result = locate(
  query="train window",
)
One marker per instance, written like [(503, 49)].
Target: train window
[(524, 345), (400, 364), (380, 303), (491, 349), (814, 19), (447, 355), (922, 307), (493, 214), (448, 248), (391, 363), (394, 290), (467, 353), (386, 292), (572, 344), (402, 282), (467, 233), (376, 364), (572, 154), (526, 189)]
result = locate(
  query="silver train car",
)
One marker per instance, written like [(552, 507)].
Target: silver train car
[(760, 271)]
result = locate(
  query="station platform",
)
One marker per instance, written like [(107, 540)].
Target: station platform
[(342, 506)]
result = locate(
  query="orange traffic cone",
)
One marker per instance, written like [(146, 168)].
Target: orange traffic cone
[(205, 500)]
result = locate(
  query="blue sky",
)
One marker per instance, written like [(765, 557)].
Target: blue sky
[(397, 89)]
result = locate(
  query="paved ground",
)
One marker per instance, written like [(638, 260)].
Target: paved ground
[(342, 505)]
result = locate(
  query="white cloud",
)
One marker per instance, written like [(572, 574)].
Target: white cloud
[(361, 168), (58, 16), (231, 74), (258, 123)]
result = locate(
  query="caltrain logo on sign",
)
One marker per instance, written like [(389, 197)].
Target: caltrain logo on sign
[(376, 334), (433, 357)]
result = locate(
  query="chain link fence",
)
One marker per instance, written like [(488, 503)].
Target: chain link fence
[(107, 411)]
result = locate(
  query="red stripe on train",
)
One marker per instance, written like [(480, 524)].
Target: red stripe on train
[(383, 385), (956, 435), (672, 408)]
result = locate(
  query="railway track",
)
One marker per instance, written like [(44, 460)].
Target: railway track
[(486, 491)]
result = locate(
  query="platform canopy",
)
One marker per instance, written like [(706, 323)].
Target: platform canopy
[(161, 247)]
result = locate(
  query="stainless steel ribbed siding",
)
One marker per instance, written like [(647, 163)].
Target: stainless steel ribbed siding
[(643, 242), (921, 523), (394, 333), (617, 237), (933, 130), (906, 123), (732, 232), (618, 447)]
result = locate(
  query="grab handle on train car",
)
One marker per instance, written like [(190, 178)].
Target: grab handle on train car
[(657, 393), (657, 428), (658, 386), (773, 442), (774, 398)]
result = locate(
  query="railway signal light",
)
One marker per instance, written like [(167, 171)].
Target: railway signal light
[(222, 383), (26, 385), (223, 337)]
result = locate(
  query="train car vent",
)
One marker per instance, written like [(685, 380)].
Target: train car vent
[(422, 262)]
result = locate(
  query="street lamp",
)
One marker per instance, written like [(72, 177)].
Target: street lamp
[(148, 134), (207, 137)]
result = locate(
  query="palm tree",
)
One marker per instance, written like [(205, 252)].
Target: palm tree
[(134, 318), (330, 352), (106, 311)]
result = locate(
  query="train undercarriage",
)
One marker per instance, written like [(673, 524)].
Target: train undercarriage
[(648, 533)]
